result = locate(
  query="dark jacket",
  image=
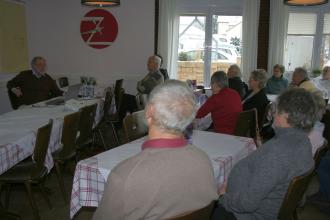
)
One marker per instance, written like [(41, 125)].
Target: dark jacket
[(33, 89), (237, 84), (258, 101), (164, 73)]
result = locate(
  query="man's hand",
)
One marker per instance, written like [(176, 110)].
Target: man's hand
[(17, 91)]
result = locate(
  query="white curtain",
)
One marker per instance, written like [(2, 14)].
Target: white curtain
[(250, 37), (168, 31), (279, 15)]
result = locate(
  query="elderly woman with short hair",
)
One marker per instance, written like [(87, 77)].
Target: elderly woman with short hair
[(168, 177), (258, 183), (256, 96), (277, 83), (224, 104)]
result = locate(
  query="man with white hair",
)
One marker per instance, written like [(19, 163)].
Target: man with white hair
[(153, 78), (168, 177), (300, 79), (34, 85)]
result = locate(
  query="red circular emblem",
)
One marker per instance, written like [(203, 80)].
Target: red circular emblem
[(99, 28)]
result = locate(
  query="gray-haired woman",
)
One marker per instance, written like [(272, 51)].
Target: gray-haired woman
[(256, 96), (258, 183)]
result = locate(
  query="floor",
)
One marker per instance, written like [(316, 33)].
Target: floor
[(60, 210)]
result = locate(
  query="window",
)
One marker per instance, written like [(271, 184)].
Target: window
[(325, 49), (301, 31), (208, 43)]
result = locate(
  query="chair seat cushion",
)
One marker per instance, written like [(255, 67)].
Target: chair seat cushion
[(25, 171)]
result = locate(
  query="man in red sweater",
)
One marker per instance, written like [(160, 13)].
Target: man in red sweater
[(224, 105)]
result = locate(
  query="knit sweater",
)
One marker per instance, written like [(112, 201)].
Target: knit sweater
[(158, 184), (258, 183), (276, 85), (150, 81), (33, 89)]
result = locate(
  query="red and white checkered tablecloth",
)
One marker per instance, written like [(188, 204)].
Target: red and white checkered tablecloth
[(91, 174), (18, 132)]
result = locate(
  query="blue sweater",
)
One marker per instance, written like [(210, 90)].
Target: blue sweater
[(276, 85)]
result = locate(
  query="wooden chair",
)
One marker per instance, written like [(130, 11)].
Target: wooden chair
[(109, 96), (247, 125), (135, 126), (294, 194), (68, 151), (326, 121), (63, 82), (319, 154), (117, 89), (114, 119), (31, 172), (200, 214), (141, 101), (86, 122)]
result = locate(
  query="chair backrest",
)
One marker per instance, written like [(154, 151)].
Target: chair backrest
[(319, 154), (118, 88), (107, 102), (69, 131), (135, 125), (264, 117), (246, 125), (42, 142), (63, 82), (141, 101), (294, 194), (203, 213), (87, 118), (326, 121)]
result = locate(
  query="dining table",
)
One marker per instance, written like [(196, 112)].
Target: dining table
[(18, 129), (91, 174)]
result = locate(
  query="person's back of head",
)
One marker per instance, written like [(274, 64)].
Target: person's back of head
[(219, 80), (171, 107), (298, 108)]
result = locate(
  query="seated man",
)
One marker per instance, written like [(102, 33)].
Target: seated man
[(168, 177), (277, 83), (323, 82), (153, 78), (235, 81), (258, 183), (300, 79), (224, 105), (32, 86)]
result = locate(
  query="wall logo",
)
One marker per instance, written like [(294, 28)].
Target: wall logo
[(99, 28)]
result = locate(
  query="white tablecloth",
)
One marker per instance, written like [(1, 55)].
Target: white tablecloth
[(18, 131), (91, 174)]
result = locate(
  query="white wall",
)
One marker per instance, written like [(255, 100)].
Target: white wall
[(54, 33)]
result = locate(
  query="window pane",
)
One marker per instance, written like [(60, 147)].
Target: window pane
[(325, 53), (297, 55), (191, 48), (302, 23), (226, 42), (326, 29)]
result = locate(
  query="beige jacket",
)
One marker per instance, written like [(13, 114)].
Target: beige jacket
[(158, 184)]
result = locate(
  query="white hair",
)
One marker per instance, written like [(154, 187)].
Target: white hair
[(157, 59), (174, 106)]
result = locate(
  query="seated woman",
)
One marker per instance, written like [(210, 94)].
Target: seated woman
[(256, 96), (224, 105), (277, 83), (258, 183)]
